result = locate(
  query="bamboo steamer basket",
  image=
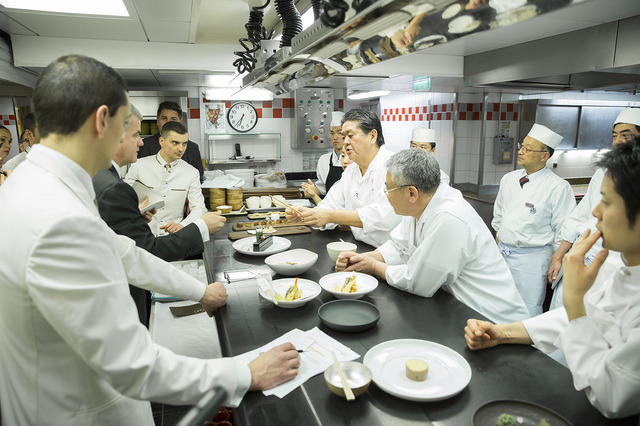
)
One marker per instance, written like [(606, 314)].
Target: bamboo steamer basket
[(217, 197), (234, 198)]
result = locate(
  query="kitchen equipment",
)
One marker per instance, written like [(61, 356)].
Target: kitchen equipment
[(310, 290), (349, 316), (357, 375), (366, 284), (449, 372), (292, 262)]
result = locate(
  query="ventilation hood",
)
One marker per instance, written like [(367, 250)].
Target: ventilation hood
[(605, 56), (389, 29)]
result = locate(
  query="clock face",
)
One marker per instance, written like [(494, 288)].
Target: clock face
[(242, 116)]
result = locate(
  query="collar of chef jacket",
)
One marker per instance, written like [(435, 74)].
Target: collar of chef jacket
[(535, 175), (68, 171), (610, 301)]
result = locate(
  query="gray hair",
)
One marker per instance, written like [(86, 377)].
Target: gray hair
[(135, 112), (414, 167)]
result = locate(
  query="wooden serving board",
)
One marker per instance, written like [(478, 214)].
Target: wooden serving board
[(242, 226), (254, 216), (289, 230)]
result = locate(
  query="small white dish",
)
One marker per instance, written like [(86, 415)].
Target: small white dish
[(449, 373), (292, 262), (451, 11), (463, 24), (366, 284), (310, 290), (245, 246)]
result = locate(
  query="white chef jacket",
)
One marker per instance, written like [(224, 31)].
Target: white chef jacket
[(451, 247), (444, 178), (15, 161), (365, 194), (322, 170), (531, 216), (181, 181), (601, 347), (73, 351), (581, 219)]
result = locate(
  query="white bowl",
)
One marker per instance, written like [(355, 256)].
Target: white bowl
[(366, 284), (337, 247), (292, 262), (310, 290)]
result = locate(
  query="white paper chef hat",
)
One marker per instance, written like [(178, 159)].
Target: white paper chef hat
[(336, 118), (545, 135), (423, 135), (629, 116)]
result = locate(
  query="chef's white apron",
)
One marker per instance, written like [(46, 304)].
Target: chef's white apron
[(529, 266)]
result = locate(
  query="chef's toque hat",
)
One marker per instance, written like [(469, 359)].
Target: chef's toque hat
[(545, 135), (423, 135), (629, 116), (336, 118)]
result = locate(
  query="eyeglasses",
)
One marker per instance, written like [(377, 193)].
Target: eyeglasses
[(387, 190), (525, 149)]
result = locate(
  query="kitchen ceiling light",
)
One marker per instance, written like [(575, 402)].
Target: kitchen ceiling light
[(367, 95), (233, 94), (102, 7)]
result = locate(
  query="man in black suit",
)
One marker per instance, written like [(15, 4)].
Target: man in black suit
[(171, 111), (118, 207)]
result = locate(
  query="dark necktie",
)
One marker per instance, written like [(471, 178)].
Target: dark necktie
[(523, 180)]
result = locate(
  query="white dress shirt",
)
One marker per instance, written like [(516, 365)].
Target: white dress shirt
[(451, 247), (530, 216), (322, 170), (73, 351), (181, 181), (601, 347), (365, 194)]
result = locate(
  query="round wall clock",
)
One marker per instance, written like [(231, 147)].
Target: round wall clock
[(242, 116)]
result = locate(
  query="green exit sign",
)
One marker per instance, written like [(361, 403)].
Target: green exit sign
[(421, 83)]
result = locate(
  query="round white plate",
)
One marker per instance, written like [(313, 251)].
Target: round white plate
[(310, 290), (449, 373), (451, 11), (245, 246), (463, 24), (366, 284)]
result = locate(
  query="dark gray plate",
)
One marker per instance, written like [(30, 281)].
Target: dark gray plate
[(528, 412), (349, 315)]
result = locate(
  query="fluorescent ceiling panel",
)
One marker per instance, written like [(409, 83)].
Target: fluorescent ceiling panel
[(102, 7)]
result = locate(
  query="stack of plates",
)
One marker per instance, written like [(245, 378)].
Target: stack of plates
[(245, 174), (263, 183)]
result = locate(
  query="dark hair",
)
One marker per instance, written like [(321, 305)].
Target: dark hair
[(550, 150), (70, 89), (367, 121), (623, 167), (173, 126), (29, 122), (170, 105)]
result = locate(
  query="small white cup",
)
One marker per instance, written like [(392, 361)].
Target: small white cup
[(265, 202), (253, 202)]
